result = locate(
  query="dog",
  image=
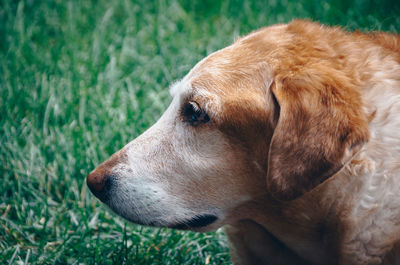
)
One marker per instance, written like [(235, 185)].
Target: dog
[(289, 137)]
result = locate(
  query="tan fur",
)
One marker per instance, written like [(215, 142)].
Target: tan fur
[(301, 156)]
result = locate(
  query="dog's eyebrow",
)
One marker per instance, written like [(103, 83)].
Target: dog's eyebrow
[(175, 87)]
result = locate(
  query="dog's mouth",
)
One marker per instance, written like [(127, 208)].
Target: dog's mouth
[(195, 222)]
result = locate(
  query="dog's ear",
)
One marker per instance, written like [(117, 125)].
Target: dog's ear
[(320, 127)]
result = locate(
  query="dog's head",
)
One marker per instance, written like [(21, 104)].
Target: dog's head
[(265, 116)]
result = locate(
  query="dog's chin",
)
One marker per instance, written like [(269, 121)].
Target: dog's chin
[(199, 222)]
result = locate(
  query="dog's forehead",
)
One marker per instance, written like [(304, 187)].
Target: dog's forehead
[(213, 66), (203, 78), (243, 69)]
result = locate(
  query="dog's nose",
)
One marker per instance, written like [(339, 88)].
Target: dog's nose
[(99, 183)]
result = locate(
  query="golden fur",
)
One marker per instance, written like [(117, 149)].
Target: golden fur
[(300, 159)]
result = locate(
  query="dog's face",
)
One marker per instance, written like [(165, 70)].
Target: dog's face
[(239, 128), (203, 158)]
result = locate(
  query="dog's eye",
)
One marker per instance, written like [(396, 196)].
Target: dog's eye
[(193, 114)]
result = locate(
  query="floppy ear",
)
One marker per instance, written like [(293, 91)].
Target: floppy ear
[(320, 127)]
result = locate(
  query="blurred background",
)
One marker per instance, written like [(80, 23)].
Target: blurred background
[(79, 79)]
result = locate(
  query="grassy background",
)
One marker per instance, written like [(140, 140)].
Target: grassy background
[(79, 79)]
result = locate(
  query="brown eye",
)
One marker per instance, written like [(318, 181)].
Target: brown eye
[(193, 114)]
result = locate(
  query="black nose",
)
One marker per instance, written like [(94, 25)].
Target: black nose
[(100, 184)]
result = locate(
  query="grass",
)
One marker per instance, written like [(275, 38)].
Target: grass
[(79, 79)]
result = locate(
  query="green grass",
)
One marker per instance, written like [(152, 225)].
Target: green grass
[(79, 79)]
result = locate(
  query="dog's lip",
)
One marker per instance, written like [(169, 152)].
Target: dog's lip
[(195, 222)]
